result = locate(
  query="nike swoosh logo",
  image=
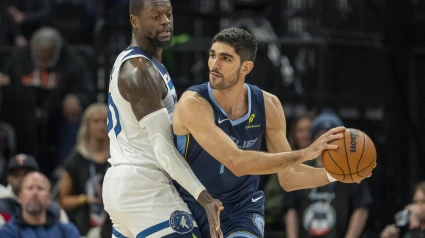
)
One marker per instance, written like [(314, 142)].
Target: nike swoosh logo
[(221, 121), (256, 199)]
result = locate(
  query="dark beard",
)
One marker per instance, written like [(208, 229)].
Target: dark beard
[(159, 44), (227, 83)]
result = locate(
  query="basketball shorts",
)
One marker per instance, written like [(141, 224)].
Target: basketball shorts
[(242, 220), (143, 203)]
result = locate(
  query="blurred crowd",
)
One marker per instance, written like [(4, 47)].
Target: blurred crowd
[(54, 144)]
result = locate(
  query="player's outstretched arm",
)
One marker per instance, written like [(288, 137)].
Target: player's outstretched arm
[(194, 115), (300, 176), (143, 87)]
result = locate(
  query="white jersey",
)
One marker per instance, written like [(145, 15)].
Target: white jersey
[(129, 144)]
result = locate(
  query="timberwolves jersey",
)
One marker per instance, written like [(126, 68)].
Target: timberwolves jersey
[(246, 132), (129, 144)]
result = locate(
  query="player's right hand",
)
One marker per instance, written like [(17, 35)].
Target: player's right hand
[(212, 207), (315, 149)]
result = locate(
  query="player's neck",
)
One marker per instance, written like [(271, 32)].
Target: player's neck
[(152, 51), (232, 99)]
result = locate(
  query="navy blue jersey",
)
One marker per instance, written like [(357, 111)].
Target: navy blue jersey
[(246, 132)]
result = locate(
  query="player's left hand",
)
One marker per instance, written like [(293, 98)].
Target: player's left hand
[(213, 207)]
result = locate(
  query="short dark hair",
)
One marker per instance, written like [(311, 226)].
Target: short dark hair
[(136, 6), (242, 41)]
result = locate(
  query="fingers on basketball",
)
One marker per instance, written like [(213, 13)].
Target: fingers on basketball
[(331, 147), (355, 158)]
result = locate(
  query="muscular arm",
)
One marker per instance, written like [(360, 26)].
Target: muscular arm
[(143, 87), (357, 222), (194, 115), (301, 176)]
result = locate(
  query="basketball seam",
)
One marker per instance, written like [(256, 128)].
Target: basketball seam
[(348, 161), (358, 171), (336, 165), (361, 156), (374, 160)]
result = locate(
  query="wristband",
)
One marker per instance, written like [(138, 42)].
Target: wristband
[(331, 179)]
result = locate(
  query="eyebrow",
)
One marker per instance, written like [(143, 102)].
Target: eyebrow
[(223, 54)]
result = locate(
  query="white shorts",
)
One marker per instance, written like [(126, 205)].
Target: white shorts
[(144, 203)]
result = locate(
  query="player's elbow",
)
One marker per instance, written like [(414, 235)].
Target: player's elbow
[(286, 186), (237, 170), (232, 160), (285, 183), (236, 166)]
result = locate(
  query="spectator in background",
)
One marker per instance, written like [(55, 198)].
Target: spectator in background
[(299, 133), (333, 211), (416, 222), (299, 138), (29, 14), (52, 86), (19, 166), (84, 169), (35, 219)]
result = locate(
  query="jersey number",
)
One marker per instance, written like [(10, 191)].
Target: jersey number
[(117, 127)]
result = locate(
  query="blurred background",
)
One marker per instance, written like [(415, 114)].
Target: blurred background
[(365, 59)]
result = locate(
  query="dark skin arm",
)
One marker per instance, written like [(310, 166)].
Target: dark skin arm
[(143, 87)]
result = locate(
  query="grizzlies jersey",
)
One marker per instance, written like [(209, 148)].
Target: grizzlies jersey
[(246, 132), (129, 144)]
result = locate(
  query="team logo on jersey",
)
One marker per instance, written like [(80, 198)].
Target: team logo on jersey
[(259, 223), (181, 222), (250, 124)]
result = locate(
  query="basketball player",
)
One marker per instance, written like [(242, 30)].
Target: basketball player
[(219, 126), (138, 192)]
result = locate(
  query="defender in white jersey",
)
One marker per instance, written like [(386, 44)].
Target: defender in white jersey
[(138, 192)]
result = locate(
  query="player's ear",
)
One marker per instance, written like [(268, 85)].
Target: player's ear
[(134, 21), (247, 67)]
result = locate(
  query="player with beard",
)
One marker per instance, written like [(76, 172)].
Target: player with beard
[(219, 127), (138, 191)]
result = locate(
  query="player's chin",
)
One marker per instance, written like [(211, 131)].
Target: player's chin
[(164, 43), (215, 83), (215, 79)]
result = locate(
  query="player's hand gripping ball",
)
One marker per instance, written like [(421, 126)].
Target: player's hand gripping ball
[(354, 159)]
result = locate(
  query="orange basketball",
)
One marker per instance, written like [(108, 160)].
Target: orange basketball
[(354, 159)]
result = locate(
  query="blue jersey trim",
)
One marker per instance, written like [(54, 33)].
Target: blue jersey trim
[(181, 144), (135, 50), (118, 234), (238, 121), (153, 229)]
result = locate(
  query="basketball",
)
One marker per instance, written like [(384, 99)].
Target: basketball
[(354, 159)]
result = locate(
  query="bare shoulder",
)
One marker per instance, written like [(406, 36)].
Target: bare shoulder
[(191, 100), (275, 116), (271, 102), (191, 110), (138, 77)]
